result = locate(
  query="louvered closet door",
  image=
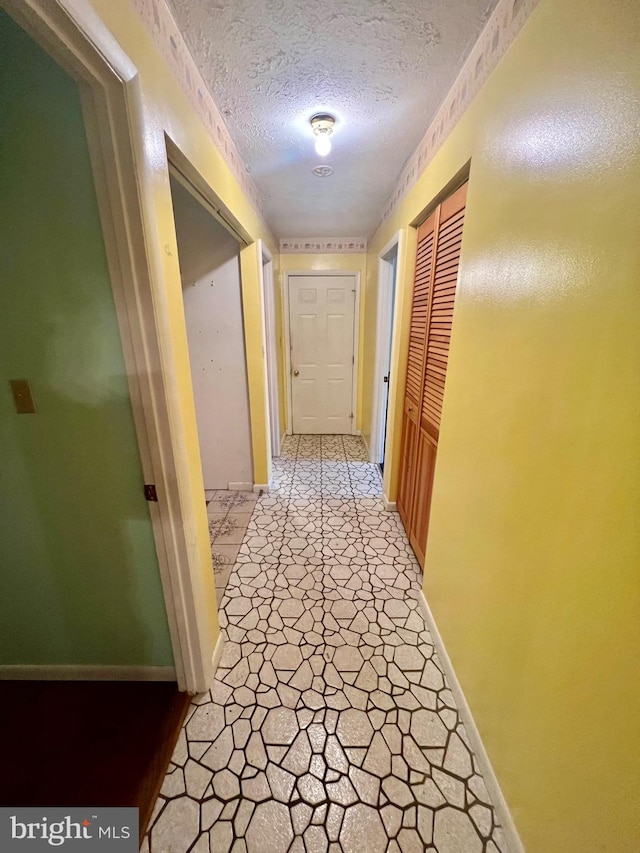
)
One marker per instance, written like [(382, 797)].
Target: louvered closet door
[(415, 366), (439, 241), (440, 318)]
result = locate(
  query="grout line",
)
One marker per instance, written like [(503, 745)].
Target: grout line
[(327, 466)]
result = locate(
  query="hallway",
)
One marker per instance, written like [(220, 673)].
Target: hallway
[(330, 725), (415, 223)]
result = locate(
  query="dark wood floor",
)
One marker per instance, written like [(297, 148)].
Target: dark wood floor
[(69, 743)]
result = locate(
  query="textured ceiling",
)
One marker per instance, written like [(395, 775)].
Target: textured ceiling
[(382, 67)]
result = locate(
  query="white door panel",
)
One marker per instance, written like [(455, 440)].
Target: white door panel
[(321, 318)]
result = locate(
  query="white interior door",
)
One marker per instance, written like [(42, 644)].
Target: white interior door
[(321, 322)]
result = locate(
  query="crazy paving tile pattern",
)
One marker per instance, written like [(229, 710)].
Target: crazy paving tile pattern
[(229, 513), (330, 727)]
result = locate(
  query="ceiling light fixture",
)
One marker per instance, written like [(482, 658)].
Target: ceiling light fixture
[(322, 126)]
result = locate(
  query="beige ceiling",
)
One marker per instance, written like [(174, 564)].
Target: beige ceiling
[(382, 67)]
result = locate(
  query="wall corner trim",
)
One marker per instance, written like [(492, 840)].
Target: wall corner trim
[(495, 792), (390, 506), (262, 487), (217, 654), (85, 672)]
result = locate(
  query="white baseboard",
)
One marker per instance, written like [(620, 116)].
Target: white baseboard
[(240, 487), (358, 432), (73, 672), (262, 487), (391, 506), (503, 814)]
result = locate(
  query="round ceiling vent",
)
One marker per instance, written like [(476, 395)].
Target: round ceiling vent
[(322, 171)]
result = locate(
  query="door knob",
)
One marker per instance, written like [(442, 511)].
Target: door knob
[(296, 372)]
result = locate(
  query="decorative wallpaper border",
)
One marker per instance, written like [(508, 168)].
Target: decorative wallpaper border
[(501, 29), (164, 31), (322, 245)]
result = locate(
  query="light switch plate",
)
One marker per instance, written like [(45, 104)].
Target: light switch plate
[(22, 396)]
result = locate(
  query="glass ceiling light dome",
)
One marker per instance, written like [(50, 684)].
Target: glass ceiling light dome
[(322, 126)]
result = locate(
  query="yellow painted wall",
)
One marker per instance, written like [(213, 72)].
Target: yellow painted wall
[(250, 267), (355, 262), (532, 566), (278, 306), (166, 110), (369, 296)]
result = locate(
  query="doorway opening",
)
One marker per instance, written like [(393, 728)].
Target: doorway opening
[(322, 329), (86, 654), (209, 258), (387, 278)]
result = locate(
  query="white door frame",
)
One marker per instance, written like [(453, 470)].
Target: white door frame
[(75, 37), (271, 343), (356, 339), (384, 331)]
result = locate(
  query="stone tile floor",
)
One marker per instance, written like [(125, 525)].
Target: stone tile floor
[(229, 513), (330, 726)]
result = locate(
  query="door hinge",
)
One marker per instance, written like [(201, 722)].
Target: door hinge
[(150, 492), (351, 416)]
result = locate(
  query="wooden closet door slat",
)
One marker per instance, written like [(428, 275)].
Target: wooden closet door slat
[(441, 307), (419, 309), (415, 366), (446, 264), (434, 293)]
